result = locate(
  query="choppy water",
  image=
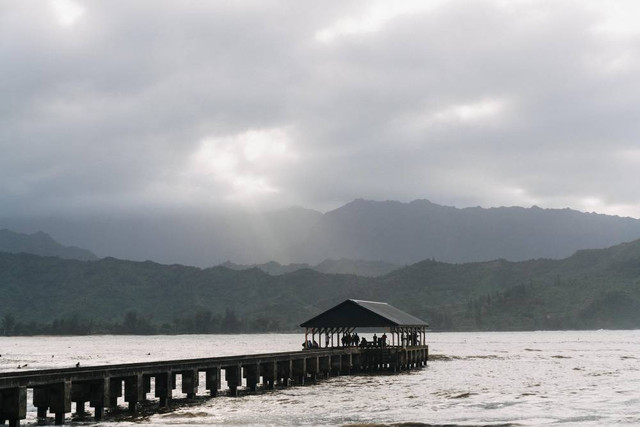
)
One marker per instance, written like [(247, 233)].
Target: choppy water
[(524, 378)]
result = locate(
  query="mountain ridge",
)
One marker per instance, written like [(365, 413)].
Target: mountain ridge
[(394, 232), (42, 244)]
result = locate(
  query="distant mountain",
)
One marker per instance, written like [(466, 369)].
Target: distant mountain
[(390, 232), (193, 238), (404, 233), (329, 266), (40, 244), (590, 289)]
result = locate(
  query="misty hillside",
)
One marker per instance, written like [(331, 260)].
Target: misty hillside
[(200, 239), (590, 289), (328, 266), (40, 244), (391, 232), (404, 233)]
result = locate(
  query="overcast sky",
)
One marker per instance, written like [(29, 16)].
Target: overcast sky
[(121, 105)]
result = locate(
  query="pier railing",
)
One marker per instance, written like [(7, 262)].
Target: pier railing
[(54, 390)]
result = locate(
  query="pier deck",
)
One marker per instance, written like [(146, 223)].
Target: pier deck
[(54, 390)]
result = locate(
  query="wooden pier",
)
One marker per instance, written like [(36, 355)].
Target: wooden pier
[(100, 386)]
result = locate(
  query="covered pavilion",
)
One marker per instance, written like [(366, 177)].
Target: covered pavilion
[(344, 318)]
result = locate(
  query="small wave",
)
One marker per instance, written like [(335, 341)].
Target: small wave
[(442, 358), (604, 374), (463, 395), (418, 424), (581, 419), (188, 415), (528, 394)]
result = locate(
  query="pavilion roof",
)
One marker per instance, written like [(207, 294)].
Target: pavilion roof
[(363, 314)]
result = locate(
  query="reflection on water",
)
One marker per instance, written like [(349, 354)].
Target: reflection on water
[(524, 378)]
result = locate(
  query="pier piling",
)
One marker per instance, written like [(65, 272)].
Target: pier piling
[(164, 387), (213, 378), (252, 375), (233, 375)]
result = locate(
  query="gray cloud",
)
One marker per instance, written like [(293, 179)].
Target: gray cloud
[(268, 104)]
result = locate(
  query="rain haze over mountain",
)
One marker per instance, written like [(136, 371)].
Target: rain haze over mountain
[(154, 128)]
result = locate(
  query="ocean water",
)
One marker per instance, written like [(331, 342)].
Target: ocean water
[(569, 378)]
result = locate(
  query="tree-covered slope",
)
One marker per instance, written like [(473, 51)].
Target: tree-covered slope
[(591, 289)]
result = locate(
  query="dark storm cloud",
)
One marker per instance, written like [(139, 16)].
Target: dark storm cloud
[(138, 104)]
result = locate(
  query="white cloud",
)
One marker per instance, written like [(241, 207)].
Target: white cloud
[(471, 112), (67, 12), (619, 18), (373, 18), (243, 166)]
